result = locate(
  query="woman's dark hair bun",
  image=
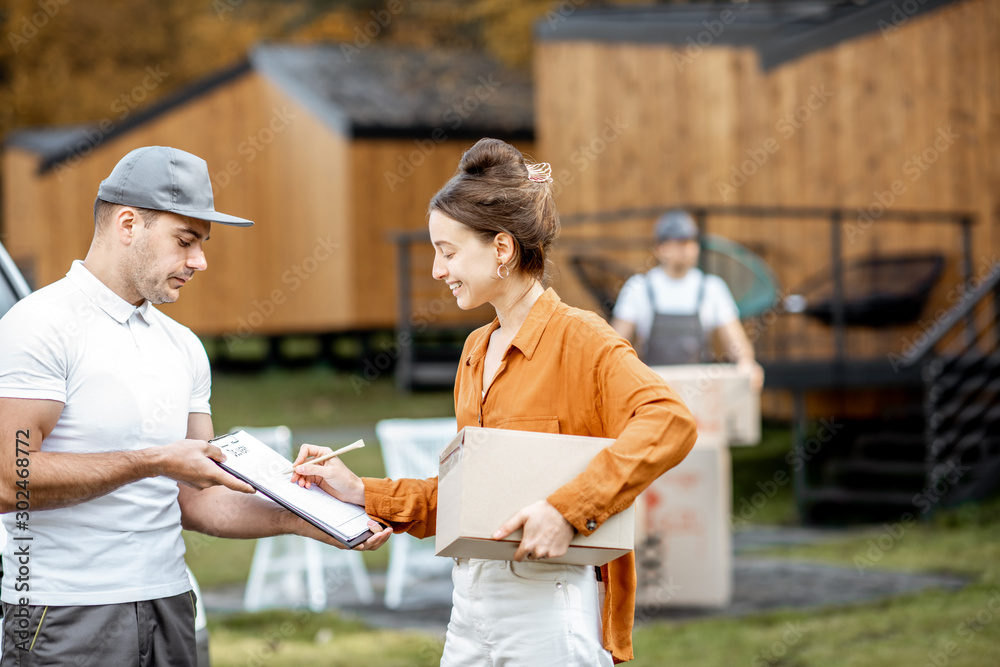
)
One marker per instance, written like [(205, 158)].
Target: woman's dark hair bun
[(492, 192), (489, 155)]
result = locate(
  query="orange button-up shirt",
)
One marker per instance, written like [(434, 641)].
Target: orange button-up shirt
[(566, 371)]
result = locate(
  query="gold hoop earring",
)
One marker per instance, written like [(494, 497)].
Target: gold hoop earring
[(501, 276)]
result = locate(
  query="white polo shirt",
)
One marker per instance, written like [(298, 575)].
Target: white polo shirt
[(675, 296), (128, 378)]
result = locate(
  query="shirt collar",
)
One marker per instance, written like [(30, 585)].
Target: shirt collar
[(528, 335), (693, 271), (118, 308)]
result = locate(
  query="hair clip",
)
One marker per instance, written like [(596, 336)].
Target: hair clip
[(540, 172)]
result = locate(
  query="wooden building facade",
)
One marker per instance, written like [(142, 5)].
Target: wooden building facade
[(328, 150), (873, 109), (826, 137)]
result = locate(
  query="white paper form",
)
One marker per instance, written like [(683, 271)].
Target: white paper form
[(262, 467)]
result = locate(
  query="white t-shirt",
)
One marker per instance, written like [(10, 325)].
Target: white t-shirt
[(128, 377), (675, 296)]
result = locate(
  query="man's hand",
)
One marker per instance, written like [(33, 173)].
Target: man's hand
[(332, 475), (302, 527), (547, 533), (755, 371), (191, 462), (380, 537), (625, 329)]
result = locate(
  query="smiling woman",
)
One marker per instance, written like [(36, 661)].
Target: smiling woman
[(542, 366), (497, 192)]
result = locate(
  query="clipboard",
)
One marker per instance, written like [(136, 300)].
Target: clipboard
[(252, 461)]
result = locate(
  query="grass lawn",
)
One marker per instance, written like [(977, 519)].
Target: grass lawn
[(298, 638), (316, 397), (933, 628), (762, 464), (930, 628), (912, 630)]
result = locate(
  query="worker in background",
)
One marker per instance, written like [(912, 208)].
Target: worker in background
[(672, 312)]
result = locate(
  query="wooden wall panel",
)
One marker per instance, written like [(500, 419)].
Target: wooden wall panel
[(393, 181), (48, 218), (988, 127), (276, 163), (319, 258), (891, 96), (270, 161), (22, 202)]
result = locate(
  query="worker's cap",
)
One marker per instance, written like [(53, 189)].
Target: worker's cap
[(676, 225), (165, 179)]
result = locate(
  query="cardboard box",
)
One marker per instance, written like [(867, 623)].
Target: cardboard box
[(720, 398), (683, 541), (487, 475)]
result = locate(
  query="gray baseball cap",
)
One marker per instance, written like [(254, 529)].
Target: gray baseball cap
[(165, 179), (676, 225)]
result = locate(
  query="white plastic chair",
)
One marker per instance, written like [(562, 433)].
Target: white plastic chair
[(410, 448), (306, 567)]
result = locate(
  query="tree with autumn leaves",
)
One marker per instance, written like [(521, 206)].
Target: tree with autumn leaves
[(77, 61)]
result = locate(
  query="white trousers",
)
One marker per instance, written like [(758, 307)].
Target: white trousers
[(508, 614)]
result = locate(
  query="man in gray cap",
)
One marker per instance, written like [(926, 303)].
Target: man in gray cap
[(671, 312), (105, 422)]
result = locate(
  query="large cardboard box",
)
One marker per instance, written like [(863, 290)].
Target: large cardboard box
[(487, 475), (720, 398), (683, 546)]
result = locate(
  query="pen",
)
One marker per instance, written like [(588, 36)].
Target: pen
[(326, 457)]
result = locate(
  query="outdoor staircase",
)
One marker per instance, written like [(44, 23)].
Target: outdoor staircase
[(874, 470), (963, 423), (940, 450)]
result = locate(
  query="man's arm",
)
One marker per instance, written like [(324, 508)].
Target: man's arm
[(62, 479), (631, 304), (221, 512), (734, 342), (625, 329)]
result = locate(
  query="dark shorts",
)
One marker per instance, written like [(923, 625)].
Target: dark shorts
[(151, 633)]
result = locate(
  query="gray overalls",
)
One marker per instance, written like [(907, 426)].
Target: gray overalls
[(675, 339)]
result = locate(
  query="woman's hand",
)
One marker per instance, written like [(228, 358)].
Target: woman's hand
[(547, 533), (336, 479), (332, 475)]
